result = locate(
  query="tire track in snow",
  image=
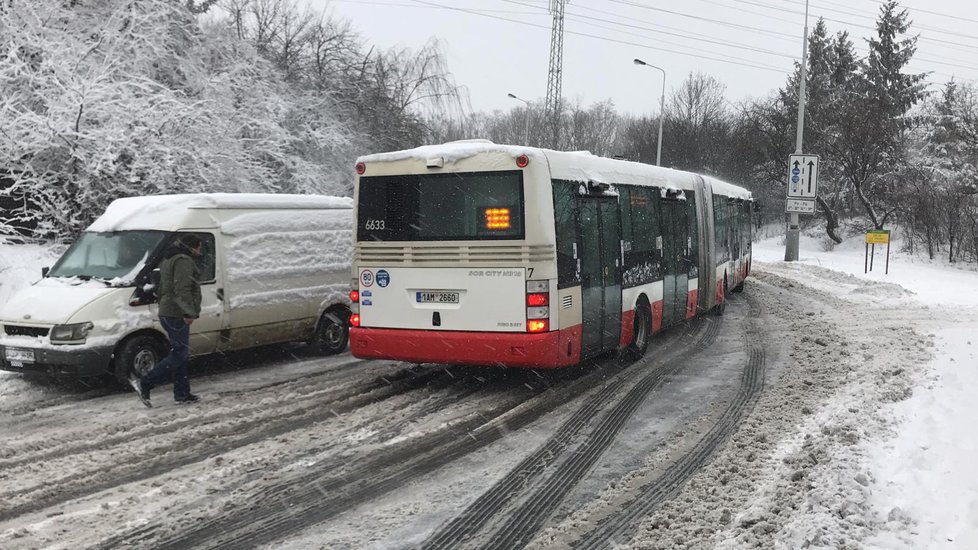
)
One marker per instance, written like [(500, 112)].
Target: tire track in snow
[(331, 489), (267, 422), (495, 502), (625, 522)]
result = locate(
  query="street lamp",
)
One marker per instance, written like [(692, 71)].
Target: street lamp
[(526, 121), (662, 108)]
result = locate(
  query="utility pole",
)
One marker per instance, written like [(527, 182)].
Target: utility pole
[(791, 242), (662, 109), (553, 108), (526, 119)]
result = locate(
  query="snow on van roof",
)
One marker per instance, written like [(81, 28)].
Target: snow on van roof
[(144, 212), (582, 166)]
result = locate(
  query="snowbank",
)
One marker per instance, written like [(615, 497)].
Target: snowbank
[(911, 483)]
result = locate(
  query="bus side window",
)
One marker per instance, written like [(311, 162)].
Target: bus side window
[(644, 213), (565, 227), (693, 252), (718, 229)]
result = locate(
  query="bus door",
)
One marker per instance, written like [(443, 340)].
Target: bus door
[(599, 242), (675, 242)]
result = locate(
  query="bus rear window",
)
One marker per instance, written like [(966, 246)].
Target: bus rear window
[(441, 207)]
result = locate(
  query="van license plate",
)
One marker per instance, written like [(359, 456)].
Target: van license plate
[(436, 297), (15, 355)]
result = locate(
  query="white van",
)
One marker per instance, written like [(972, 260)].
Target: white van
[(274, 268)]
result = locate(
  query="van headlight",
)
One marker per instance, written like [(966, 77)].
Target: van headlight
[(70, 333)]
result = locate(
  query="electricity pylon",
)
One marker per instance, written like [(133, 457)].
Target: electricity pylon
[(552, 108)]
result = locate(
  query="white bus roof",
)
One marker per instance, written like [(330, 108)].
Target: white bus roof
[(172, 212), (581, 166)]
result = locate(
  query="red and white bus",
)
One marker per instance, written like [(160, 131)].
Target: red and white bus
[(483, 254)]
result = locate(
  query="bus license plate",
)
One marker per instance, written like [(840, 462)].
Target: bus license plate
[(17, 357), (437, 297)]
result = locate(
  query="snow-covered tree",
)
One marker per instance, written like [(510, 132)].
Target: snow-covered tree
[(873, 136), (106, 99)]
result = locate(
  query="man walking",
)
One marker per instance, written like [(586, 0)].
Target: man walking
[(179, 306)]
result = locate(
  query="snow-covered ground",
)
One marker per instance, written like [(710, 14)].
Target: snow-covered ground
[(861, 436), (917, 475)]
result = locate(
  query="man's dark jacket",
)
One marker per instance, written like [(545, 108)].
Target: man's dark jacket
[(179, 284)]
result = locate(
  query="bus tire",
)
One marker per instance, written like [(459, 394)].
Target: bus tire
[(720, 308), (642, 331), (332, 332), (137, 355), (739, 288)]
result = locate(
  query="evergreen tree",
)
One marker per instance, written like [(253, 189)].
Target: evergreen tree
[(872, 145)]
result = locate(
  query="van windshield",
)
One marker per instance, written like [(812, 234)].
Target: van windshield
[(115, 257)]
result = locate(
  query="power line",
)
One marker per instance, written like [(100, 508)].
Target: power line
[(870, 27), (961, 64), (734, 61), (948, 15), (698, 38), (707, 19), (603, 38), (396, 5), (749, 12)]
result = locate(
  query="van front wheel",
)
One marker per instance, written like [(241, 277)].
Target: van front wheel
[(137, 355), (332, 333)]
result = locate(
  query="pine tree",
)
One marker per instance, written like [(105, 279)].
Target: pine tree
[(873, 136)]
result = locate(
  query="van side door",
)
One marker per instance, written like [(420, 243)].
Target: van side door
[(206, 330)]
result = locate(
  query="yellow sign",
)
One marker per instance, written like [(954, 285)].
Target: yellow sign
[(878, 237)]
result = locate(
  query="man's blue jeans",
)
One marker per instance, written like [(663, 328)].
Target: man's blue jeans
[(174, 366)]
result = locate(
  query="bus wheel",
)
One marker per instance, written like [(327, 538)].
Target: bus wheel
[(722, 306), (738, 288), (137, 355), (642, 331), (332, 332)]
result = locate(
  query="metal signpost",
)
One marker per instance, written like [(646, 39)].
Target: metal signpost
[(802, 184), (873, 238), (794, 225)]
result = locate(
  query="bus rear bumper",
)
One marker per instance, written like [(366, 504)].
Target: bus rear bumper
[(504, 349)]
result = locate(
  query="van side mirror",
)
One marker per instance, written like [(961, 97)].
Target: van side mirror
[(45, 271)]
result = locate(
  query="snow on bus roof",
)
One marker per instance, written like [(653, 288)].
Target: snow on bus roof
[(581, 166), (584, 167), (152, 212), (450, 152)]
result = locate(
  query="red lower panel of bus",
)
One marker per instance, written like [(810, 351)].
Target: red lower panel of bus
[(628, 320), (507, 349), (691, 300), (657, 316)]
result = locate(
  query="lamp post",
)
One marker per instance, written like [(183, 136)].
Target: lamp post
[(791, 238), (662, 108), (526, 119)]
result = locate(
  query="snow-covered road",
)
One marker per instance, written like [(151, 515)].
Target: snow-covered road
[(776, 425)]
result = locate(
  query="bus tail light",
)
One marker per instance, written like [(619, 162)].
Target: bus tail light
[(355, 296), (355, 320), (522, 161), (537, 306), (361, 168), (538, 313)]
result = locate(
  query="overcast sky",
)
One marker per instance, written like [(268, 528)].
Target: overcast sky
[(495, 47)]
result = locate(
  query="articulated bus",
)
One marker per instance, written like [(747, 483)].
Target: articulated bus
[(473, 253)]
